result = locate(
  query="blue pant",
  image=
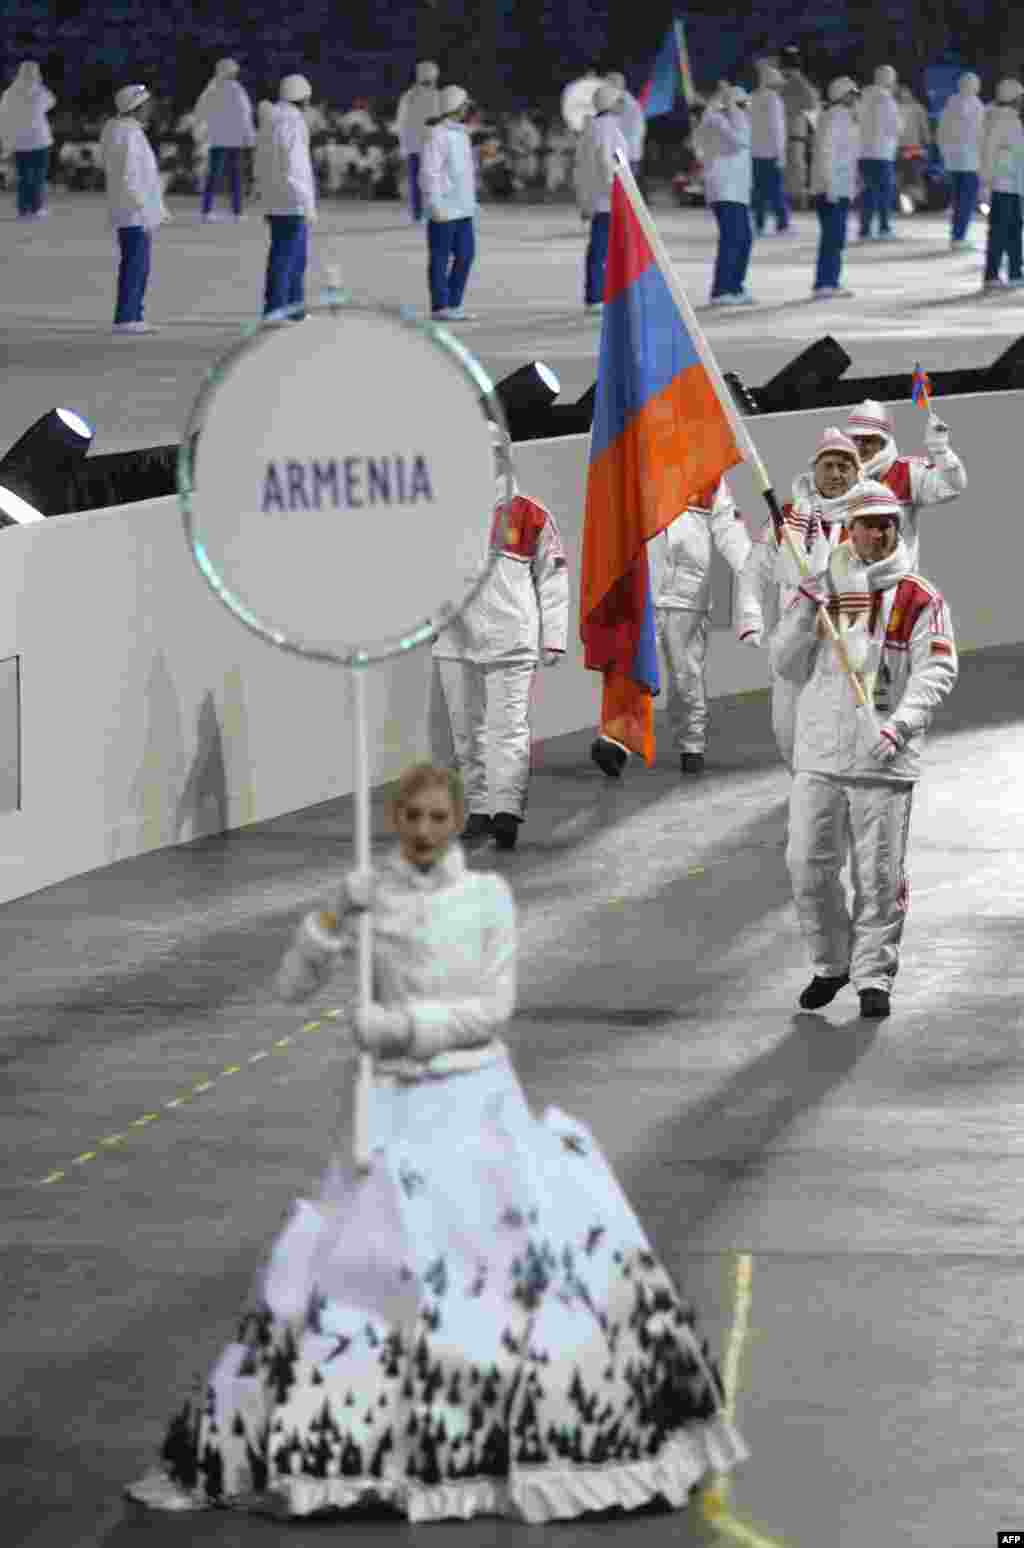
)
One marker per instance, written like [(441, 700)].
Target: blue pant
[(735, 239), (415, 192), (224, 158), (965, 198), (832, 216), (451, 247), (596, 259), (878, 195), (286, 263), (1004, 235), (31, 168), (136, 244), (768, 193)]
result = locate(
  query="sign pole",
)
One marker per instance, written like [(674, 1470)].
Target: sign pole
[(364, 940)]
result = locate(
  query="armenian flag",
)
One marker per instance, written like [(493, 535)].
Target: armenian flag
[(671, 73), (660, 436), (921, 387)]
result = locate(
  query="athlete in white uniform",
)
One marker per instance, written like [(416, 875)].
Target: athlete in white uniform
[(917, 482), (853, 776)]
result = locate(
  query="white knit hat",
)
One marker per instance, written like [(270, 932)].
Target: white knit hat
[(885, 75), (130, 97), (869, 418), (833, 440), (841, 87), (427, 72), (1009, 91), (294, 88), (453, 98), (227, 69), (871, 498)]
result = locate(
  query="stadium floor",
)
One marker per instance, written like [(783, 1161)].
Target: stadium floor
[(870, 1171)]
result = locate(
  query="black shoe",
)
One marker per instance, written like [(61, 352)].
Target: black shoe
[(611, 760), (505, 828), (692, 763), (874, 1004), (822, 991), (477, 829)]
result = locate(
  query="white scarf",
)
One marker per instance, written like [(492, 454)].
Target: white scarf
[(854, 584)]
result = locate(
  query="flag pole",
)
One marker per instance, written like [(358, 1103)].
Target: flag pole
[(364, 924), (728, 405)]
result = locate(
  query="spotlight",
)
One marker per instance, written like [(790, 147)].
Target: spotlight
[(806, 380), (1007, 372), (42, 460), (526, 397), (16, 512)]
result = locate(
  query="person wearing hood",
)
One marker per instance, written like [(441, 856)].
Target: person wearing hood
[(959, 136), (135, 200), (487, 661), (594, 173), (25, 130), (225, 109), (289, 197), (854, 770), (834, 183), (418, 110), (448, 183), (1002, 154), (816, 517), (879, 122), (917, 482), (723, 140), (631, 121), (768, 149)]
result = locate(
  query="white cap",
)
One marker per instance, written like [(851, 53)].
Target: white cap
[(130, 97), (295, 88), (833, 440), (453, 98), (841, 87), (870, 498), (885, 75), (969, 84), (606, 98), (616, 78), (869, 418), (1009, 90), (227, 69), (427, 72)]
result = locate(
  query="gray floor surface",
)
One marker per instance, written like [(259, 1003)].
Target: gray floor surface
[(161, 1111)]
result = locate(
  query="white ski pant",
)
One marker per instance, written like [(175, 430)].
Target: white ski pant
[(489, 710), (832, 820), (684, 639)]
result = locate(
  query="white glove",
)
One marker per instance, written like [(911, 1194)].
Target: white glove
[(383, 1029), (752, 637), (936, 438), (310, 960), (552, 658), (358, 892), (887, 747), (812, 588)]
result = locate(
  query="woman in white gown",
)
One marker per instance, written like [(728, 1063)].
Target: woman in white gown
[(478, 1325)]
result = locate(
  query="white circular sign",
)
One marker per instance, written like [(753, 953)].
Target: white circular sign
[(338, 481)]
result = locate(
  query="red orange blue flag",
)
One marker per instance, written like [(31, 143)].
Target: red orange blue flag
[(670, 73), (921, 387), (660, 436)]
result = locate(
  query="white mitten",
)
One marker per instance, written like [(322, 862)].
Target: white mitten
[(383, 1029), (752, 637), (357, 892), (552, 658), (936, 440), (310, 960), (887, 747)]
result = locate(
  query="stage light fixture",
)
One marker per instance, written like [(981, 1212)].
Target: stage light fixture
[(1007, 372), (574, 418), (526, 397), (40, 463), (806, 380), (16, 512)]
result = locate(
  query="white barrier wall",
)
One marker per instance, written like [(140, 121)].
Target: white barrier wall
[(149, 715)]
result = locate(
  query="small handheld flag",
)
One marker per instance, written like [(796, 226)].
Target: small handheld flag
[(670, 74), (921, 387)]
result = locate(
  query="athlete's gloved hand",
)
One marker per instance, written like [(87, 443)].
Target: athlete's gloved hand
[(552, 657), (311, 958), (813, 588), (383, 1029), (936, 439), (887, 747), (357, 892), (752, 637)]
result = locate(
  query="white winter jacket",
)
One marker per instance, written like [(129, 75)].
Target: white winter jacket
[(917, 482), (767, 125), (837, 149), (523, 606), (900, 640), (594, 170), (415, 109), (23, 121), (224, 107), (134, 190), (879, 120), (286, 170), (959, 132), (448, 172), (679, 557), (633, 125), (723, 140), (1001, 149)]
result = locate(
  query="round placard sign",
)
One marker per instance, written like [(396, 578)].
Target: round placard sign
[(337, 481)]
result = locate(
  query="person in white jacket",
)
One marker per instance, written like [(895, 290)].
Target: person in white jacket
[(24, 128), (879, 121), (917, 482), (135, 200), (767, 583), (959, 137), (224, 107), (1001, 157), (487, 662), (594, 173), (855, 769), (834, 183), (289, 198), (768, 150), (448, 183), (723, 139), (631, 121), (679, 560), (418, 110)]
